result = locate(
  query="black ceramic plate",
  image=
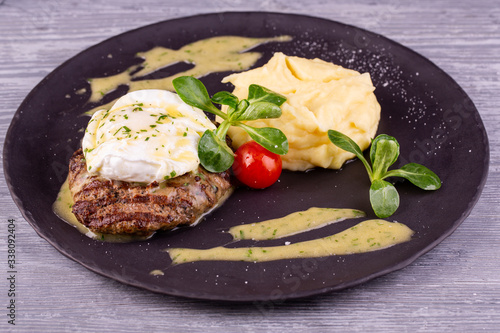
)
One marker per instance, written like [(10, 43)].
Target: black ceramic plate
[(431, 116)]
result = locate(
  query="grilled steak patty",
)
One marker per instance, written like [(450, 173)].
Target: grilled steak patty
[(115, 207)]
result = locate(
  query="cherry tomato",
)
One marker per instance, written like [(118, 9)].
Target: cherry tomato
[(255, 166)]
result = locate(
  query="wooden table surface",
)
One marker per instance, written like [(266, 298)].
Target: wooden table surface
[(453, 288)]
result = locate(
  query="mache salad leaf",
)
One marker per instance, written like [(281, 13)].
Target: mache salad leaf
[(384, 152), (262, 103)]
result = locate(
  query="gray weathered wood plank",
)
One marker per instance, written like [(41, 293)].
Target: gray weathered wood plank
[(455, 287)]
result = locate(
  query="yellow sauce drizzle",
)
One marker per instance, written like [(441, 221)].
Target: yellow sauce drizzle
[(366, 236), (216, 54), (156, 272), (293, 224)]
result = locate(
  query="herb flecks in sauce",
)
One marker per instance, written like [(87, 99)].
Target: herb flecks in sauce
[(293, 223), (367, 236), (217, 54)]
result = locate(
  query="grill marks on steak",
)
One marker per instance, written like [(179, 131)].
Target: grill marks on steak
[(115, 207)]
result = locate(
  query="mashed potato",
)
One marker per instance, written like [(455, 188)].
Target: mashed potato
[(320, 96)]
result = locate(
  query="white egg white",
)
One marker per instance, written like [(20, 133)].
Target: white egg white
[(148, 135)]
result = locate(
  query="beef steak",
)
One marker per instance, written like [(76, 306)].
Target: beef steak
[(116, 207)]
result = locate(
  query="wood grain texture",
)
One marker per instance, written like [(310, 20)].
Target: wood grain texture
[(453, 288)]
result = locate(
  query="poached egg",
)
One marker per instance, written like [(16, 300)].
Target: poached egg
[(147, 135)]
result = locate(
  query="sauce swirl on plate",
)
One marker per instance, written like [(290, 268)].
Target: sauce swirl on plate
[(216, 54), (367, 236)]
